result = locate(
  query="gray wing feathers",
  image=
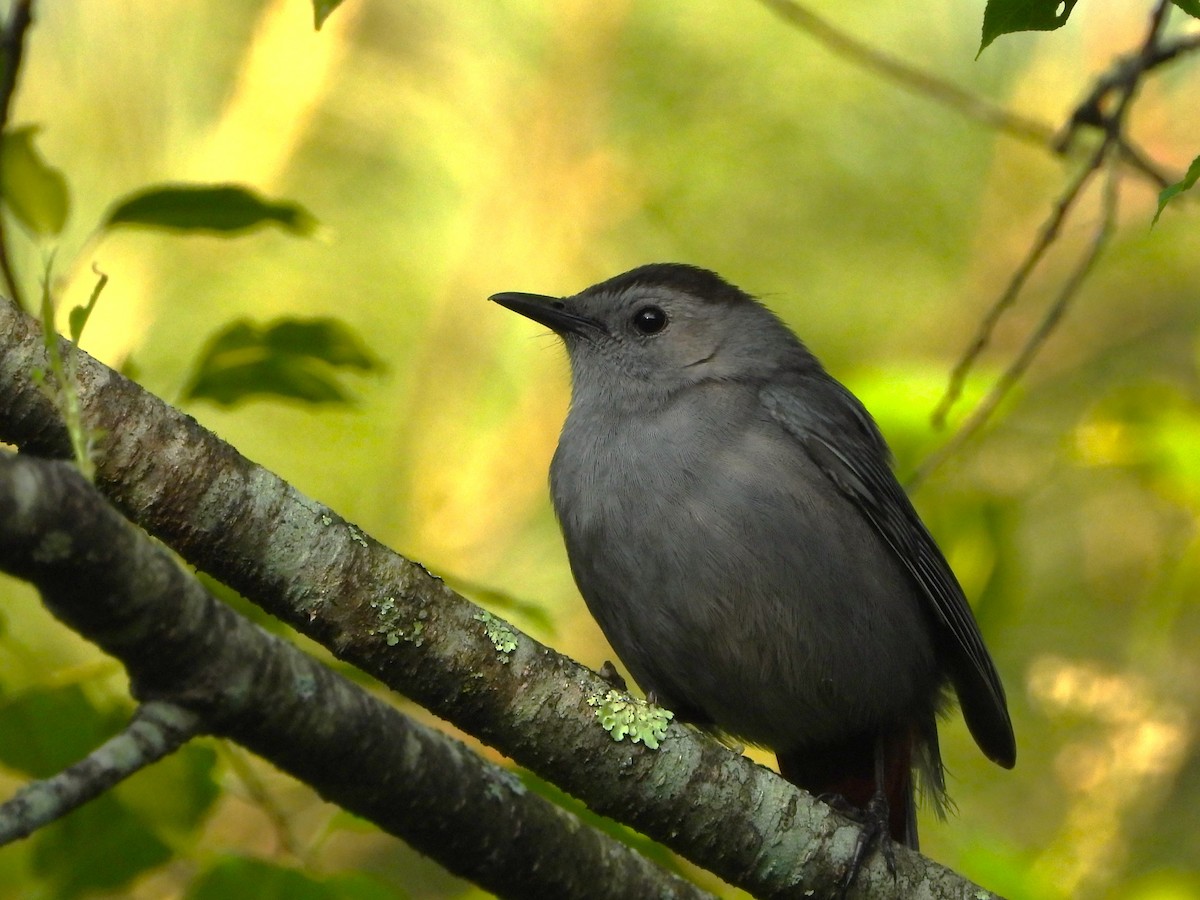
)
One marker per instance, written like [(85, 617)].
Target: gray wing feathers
[(847, 446)]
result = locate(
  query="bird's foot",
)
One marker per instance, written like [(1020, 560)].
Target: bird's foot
[(841, 805), (875, 833), (610, 674)]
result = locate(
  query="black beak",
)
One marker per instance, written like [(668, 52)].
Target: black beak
[(549, 311)]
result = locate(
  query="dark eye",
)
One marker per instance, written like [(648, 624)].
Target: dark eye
[(649, 320)]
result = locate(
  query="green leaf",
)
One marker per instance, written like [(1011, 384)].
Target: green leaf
[(326, 339), (44, 730), (101, 846), (362, 886), (290, 358), (214, 209), (1184, 184), (34, 192), (1007, 16), (176, 792), (1191, 7), (236, 877), (322, 9)]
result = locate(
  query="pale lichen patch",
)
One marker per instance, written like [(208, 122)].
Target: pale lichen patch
[(503, 638), (624, 716), (392, 625)]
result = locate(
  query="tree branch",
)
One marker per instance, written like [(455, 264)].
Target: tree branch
[(1045, 239), (388, 616), (911, 78), (158, 729), (1033, 345), (946, 93), (1125, 83), (200, 665)]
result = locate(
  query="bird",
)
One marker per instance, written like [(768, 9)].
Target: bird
[(734, 525)]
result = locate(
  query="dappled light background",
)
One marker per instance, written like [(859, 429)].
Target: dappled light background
[(450, 151)]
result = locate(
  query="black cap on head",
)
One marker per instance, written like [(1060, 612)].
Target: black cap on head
[(700, 283)]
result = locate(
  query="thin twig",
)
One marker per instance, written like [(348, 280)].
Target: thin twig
[(1111, 150), (917, 80), (1046, 237), (962, 101), (1124, 71), (261, 796), (157, 729), (12, 47), (1135, 157), (1017, 368)]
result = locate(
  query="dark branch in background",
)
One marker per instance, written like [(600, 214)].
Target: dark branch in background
[(12, 48), (157, 730), (1122, 79), (387, 616), (217, 671), (1124, 83), (1124, 74)]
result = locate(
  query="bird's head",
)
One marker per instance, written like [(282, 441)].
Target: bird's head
[(660, 328)]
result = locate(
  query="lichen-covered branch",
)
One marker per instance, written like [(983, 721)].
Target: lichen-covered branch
[(198, 665), (389, 617)]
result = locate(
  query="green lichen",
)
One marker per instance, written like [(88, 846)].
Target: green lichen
[(624, 716), (503, 638), (393, 627), (356, 536)]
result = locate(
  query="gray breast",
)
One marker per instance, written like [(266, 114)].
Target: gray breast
[(732, 578)]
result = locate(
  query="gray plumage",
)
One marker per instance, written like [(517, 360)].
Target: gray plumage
[(734, 526)]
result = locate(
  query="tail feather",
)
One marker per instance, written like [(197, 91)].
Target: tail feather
[(849, 770), (931, 774)]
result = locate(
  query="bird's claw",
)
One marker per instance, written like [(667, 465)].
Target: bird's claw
[(874, 833), (610, 674), (841, 805)]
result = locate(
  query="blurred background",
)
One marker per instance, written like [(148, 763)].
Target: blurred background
[(450, 151)]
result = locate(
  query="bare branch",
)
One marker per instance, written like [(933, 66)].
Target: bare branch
[(157, 730), (910, 77), (1122, 77), (1047, 235), (105, 579), (1111, 149), (389, 617), (1033, 345), (950, 95)]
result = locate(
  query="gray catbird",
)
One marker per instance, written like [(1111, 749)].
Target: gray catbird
[(733, 523)]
